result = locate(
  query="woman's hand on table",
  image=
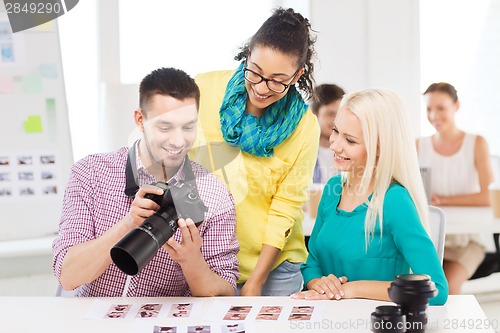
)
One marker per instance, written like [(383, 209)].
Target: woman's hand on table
[(326, 287)]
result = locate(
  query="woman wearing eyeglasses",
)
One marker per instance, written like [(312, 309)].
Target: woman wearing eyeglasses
[(258, 136)]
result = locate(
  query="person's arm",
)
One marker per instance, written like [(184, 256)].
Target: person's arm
[(413, 241), (207, 255), (312, 269), (319, 285), (286, 206), (256, 280), (376, 290), (201, 279), (483, 165), (85, 262)]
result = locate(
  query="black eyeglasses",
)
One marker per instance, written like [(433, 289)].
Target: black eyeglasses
[(277, 87)]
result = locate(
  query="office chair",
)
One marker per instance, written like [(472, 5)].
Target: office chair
[(491, 262), (437, 222)]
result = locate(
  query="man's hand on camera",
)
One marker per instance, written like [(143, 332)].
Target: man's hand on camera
[(189, 249), (142, 207)]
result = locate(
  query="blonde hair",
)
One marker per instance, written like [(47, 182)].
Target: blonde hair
[(391, 153)]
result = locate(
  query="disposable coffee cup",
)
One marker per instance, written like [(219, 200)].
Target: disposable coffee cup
[(315, 192), (495, 199)]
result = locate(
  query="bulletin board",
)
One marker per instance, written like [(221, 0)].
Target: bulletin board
[(35, 143)]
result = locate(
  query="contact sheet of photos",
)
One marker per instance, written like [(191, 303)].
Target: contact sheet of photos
[(28, 175), (228, 312), (108, 311), (202, 328), (189, 317), (164, 317)]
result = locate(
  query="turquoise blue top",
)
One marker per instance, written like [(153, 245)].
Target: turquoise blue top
[(337, 243)]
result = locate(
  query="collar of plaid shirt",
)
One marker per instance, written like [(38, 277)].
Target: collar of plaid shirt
[(131, 171)]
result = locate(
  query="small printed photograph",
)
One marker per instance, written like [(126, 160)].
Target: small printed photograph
[(300, 316), (165, 329), (24, 160), (26, 191), (271, 309), (115, 314), (182, 306), (5, 192), (47, 159), (240, 308), (267, 316), (180, 310), (233, 328), (4, 160), (4, 177), (303, 309), (120, 307), (179, 314), (117, 311), (198, 329), (26, 176), (151, 307), (146, 314), (238, 312), (235, 316), (48, 190), (47, 175)]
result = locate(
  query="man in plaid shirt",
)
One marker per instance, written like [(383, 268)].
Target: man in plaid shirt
[(97, 213)]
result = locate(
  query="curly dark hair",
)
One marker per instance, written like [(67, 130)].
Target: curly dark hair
[(170, 82), (288, 32)]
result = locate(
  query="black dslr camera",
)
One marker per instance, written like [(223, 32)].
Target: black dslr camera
[(138, 247)]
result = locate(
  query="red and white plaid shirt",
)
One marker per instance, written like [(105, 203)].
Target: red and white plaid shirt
[(94, 201)]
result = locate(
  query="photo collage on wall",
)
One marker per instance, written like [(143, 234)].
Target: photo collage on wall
[(29, 175)]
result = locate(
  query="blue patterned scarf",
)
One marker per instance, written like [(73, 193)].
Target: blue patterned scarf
[(258, 135)]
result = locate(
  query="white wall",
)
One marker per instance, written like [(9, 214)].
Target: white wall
[(360, 44), (364, 44)]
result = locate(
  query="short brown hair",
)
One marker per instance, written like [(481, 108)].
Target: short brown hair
[(170, 82), (325, 94)]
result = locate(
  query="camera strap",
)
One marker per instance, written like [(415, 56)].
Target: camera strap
[(131, 174)]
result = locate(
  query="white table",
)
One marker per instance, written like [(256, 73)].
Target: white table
[(464, 220), (459, 220), (66, 315)]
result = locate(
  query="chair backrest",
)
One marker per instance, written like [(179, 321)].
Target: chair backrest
[(495, 165), (437, 222)]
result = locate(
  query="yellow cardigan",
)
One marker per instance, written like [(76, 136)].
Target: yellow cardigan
[(268, 191)]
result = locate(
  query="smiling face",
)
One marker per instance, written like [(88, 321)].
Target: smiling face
[(347, 144), (441, 110), (272, 65), (169, 128)]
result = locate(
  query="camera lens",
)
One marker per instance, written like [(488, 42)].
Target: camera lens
[(412, 292), (140, 245), (387, 318)]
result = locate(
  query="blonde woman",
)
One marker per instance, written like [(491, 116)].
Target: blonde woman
[(372, 219)]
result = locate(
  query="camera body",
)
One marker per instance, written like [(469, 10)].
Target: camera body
[(138, 247)]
